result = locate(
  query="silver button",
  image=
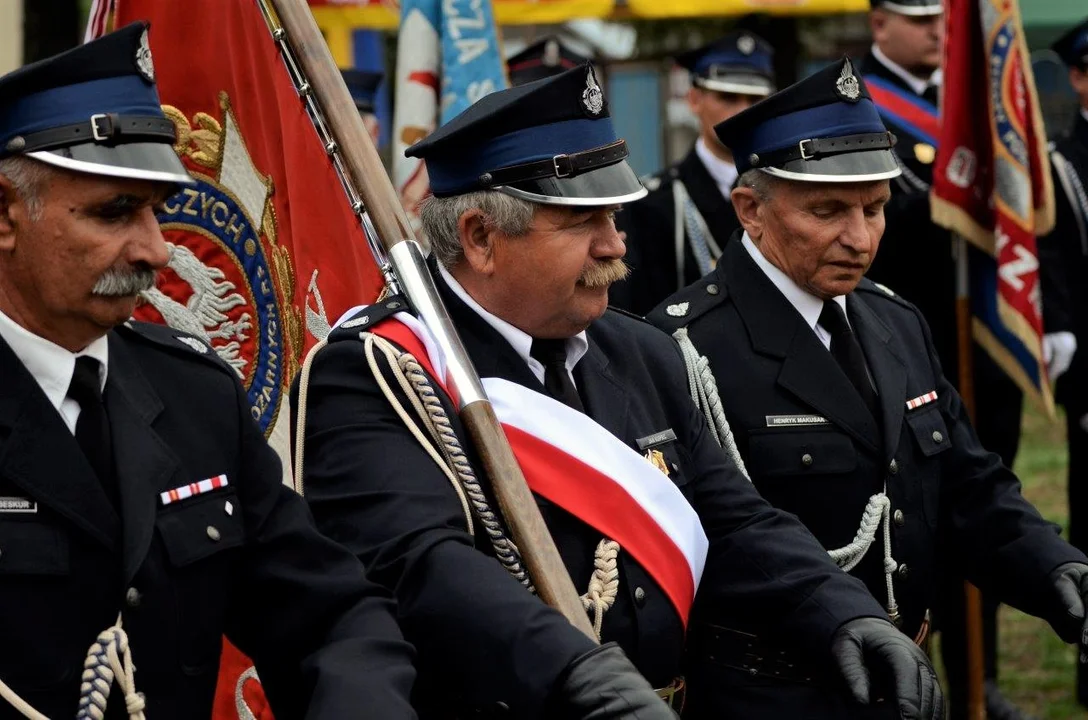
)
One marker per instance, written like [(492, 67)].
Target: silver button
[(133, 597), (904, 572), (712, 289), (806, 460), (937, 437), (640, 596), (899, 518), (893, 467), (213, 533)]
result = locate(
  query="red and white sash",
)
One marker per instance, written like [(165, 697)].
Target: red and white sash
[(572, 461)]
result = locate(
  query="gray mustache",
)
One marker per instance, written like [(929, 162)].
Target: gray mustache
[(117, 282)]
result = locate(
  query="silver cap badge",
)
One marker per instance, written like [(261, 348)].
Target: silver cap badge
[(143, 59), (847, 85), (592, 97), (746, 44)]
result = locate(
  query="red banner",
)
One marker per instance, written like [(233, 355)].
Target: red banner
[(266, 250), (991, 180)]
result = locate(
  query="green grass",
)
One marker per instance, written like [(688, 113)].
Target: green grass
[(1036, 669)]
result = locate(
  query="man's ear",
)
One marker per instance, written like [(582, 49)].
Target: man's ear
[(9, 208), (695, 99), (747, 205), (477, 241), (878, 20)]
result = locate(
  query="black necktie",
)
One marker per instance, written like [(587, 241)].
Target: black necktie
[(552, 354), (847, 353), (93, 425)]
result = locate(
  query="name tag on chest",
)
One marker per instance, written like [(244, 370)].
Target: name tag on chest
[(796, 420), (17, 505)]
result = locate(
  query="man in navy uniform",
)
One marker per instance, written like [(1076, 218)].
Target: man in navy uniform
[(525, 184), (916, 259), (676, 234), (137, 495), (1069, 163), (832, 387), (363, 86), (545, 58)]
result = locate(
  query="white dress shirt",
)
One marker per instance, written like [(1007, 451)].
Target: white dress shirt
[(804, 302), (53, 366), (522, 342), (723, 172), (917, 84)]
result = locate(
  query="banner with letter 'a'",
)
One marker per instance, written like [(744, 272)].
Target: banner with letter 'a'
[(991, 181), (265, 248)]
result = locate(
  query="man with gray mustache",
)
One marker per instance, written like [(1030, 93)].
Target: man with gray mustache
[(653, 520)]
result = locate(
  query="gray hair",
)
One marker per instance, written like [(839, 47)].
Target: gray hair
[(28, 177), (759, 182), (509, 215)]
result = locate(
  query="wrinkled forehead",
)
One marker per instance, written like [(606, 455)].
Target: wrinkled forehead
[(863, 193)]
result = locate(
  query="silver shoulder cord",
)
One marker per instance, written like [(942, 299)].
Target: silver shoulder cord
[(1074, 191), (704, 392)]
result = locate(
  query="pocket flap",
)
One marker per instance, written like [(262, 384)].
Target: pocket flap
[(199, 527), (780, 453), (930, 431), (32, 547)]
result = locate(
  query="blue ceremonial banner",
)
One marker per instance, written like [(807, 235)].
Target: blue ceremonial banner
[(472, 65)]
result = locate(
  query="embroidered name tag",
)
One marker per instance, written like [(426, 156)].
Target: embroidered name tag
[(17, 505), (795, 420), (922, 400), (658, 438), (197, 488)]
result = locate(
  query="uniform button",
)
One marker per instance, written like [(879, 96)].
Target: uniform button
[(712, 289), (213, 533), (806, 460), (904, 572), (899, 518), (893, 467), (133, 597), (640, 597), (937, 437)]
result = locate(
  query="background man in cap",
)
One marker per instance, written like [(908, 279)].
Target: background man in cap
[(916, 259), (525, 183), (363, 86), (545, 58), (833, 390), (676, 234), (1069, 162), (132, 477)]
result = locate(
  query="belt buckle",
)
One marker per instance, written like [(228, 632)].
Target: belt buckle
[(674, 694), (805, 155), (562, 171), (103, 132)]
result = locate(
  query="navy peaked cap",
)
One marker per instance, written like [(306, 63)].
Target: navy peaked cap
[(543, 59), (824, 128), (1072, 47), (363, 86), (740, 62), (909, 7), (549, 141), (92, 109)]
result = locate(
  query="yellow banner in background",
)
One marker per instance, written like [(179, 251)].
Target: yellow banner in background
[(335, 18), (708, 8)]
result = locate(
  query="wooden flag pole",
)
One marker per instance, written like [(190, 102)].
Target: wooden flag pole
[(374, 199), (976, 696)]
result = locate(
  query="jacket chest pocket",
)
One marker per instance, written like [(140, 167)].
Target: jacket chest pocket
[(930, 431), (774, 453), (201, 536), (32, 547)]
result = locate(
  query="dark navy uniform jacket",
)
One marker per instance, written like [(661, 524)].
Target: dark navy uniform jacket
[(650, 224), (483, 640), (244, 560), (950, 498)]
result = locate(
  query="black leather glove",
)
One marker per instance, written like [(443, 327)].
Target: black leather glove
[(870, 647), (604, 685), (1070, 584)]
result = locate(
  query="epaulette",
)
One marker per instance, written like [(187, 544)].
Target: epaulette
[(174, 340), (880, 290), (686, 305), (368, 316), (628, 313)]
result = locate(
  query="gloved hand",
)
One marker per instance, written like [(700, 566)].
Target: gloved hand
[(1058, 351), (869, 646), (1070, 583), (604, 685)]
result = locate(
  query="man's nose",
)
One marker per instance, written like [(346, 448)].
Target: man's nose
[(149, 246)]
